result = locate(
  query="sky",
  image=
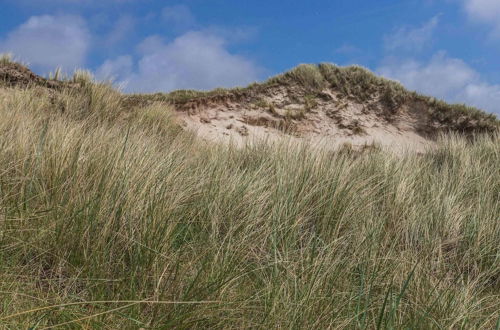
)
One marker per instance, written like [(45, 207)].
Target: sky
[(449, 49)]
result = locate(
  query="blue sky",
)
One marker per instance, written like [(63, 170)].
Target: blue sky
[(446, 48)]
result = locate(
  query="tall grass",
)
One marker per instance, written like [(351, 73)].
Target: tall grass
[(5, 58), (119, 220)]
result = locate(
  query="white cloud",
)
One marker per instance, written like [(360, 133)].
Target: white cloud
[(118, 69), (122, 28), (444, 77), (179, 15), (195, 60), (411, 39), (486, 11), (150, 45), (47, 42), (347, 49)]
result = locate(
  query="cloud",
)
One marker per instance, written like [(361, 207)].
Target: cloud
[(485, 11), (119, 69), (444, 77), (411, 39), (194, 60), (122, 28), (180, 16), (47, 42), (347, 49)]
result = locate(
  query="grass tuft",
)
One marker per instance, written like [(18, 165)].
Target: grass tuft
[(6, 58)]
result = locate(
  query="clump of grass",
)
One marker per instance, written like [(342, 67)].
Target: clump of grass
[(6, 58), (56, 75), (310, 102), (307, 75), (357, 128), (353, 81), (273, 110), (90, 100), (83, 77), (262, 103), (295, 113), (180, 97), (112, 221), (158, 118)]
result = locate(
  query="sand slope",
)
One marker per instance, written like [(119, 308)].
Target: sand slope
[(327, 122)]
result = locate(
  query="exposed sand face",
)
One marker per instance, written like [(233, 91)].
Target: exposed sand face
[(327, 123)]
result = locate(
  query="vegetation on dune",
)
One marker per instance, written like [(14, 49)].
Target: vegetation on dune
[(5, 59), (354, 83), (111, 216), (363, 86)]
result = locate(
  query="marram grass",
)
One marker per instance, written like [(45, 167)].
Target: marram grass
[(120, 221)]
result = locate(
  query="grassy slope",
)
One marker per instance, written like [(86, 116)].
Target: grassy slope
[(123, 221)]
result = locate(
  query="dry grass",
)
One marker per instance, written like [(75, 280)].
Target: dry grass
[(6, 58), (111, 217)]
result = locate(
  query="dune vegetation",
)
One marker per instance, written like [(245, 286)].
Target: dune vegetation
[(120, 219), (353, 83)]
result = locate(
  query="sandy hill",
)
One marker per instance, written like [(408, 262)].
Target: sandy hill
[(326, 105)]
